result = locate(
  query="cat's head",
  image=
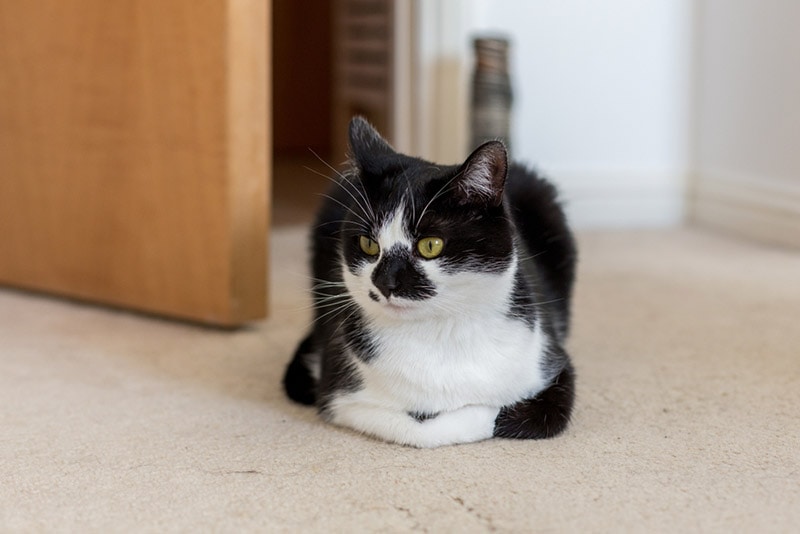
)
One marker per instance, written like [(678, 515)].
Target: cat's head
[(421, 239)]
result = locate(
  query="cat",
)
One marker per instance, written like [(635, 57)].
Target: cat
[(441, 300)]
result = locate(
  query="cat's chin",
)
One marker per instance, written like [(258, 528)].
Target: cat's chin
[(398, 309)]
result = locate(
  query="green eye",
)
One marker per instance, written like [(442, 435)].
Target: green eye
[(430, 247), (369, 246)]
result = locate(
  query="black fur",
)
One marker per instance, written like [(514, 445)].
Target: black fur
[(298, 382), (542, 226), (543, 416), (395, 275), (481, 227)]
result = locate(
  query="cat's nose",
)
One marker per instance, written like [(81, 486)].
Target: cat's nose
[(388, 273)]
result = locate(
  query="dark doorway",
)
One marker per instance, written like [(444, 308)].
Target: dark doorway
[(302, 92)]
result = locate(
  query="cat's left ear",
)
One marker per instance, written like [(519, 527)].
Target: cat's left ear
[(483, 175), (366, 144)]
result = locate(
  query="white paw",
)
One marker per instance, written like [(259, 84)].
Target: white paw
[(465, 425)]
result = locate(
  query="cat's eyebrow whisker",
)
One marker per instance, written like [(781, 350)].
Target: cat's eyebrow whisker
[(355, 224), (366, 207), (345, 206), (342, 221), (344, 178), (439, 193), (331, 167), (322, 174), (362, 193), (340, 183), (410, 194)]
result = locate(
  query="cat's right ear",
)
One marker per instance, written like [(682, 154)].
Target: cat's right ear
[(482, 177), (366, 144)]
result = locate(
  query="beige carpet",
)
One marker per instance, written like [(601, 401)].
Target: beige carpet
[(687, 346)]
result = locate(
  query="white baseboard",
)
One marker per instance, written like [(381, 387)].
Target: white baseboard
[(763, 210), (622, 200)]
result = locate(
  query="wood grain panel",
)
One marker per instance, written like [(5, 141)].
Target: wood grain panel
[(133, 146)]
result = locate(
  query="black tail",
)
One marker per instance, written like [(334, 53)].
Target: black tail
[(300, 386)]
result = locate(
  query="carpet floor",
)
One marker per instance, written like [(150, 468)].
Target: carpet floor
[(687, 347)]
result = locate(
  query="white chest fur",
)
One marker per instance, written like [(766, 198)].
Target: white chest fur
[(443, 365)]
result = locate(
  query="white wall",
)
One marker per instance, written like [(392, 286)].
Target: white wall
[(634, 108), (441, 59), (747, 135), (601, 101)]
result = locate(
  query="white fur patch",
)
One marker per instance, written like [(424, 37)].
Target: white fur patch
[(456, 354), (393, 232), (313, 362), (465, 425)]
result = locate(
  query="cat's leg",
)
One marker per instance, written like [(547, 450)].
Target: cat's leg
[(464, 425), (542, 416), (302, 374)]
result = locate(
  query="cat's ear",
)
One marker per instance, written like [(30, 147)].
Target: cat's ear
[(483, 175), (366, 144)]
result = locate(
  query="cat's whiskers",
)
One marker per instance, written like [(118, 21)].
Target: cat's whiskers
[(320, 287), (343, 321), (330, 304), (316, 282), (361, 192), (367, 207), (439, 193), (343, 307), (539, 303), (341, 183), (322, 300), (326, 290), (410, 193), (348, 208), (342, 222)]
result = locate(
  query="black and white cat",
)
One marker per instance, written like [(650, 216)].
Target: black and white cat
[(441, 297)]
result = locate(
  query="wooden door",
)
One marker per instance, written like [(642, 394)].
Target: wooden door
[(134, 153)]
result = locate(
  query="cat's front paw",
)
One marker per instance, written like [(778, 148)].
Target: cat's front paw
[(464, 425), (543, 416)]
